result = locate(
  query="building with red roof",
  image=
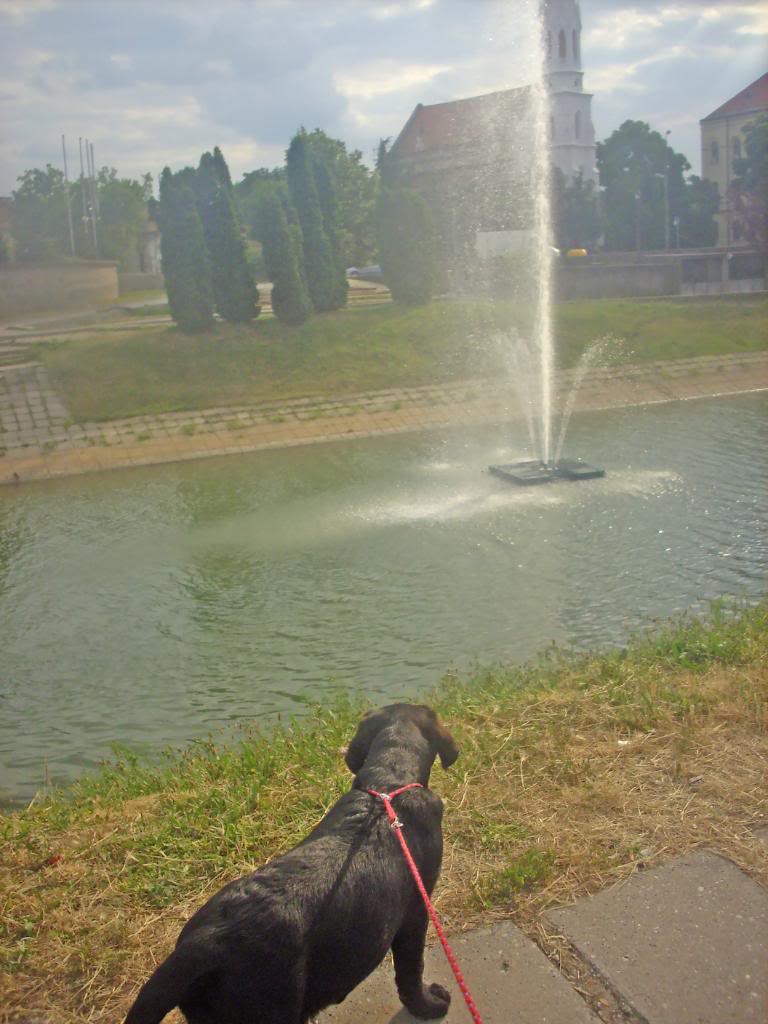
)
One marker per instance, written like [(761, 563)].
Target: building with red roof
[(722, 142), (472, 159)]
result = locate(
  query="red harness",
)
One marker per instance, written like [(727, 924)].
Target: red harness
[(397, 825)]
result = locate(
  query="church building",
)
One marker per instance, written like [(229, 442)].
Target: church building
[(469, 158)]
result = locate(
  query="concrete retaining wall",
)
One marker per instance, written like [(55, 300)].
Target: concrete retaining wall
[(35, 288), (139, 282), (614, 281), (684, 272)]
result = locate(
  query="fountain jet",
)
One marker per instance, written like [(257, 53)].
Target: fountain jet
[(548, 466)]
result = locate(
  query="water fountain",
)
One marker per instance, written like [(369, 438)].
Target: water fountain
[(538, 357)]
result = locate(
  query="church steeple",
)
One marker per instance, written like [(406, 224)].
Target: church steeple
[(572, 135), (562, 42)]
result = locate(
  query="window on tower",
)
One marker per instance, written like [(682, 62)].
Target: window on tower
[(577, 124), (575, 44), (736, 148), (714, 152), (562, 45)]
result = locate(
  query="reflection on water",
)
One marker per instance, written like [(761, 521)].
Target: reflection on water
[(150, 607)]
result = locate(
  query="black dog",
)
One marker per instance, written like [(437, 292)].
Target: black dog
[(281, 944)]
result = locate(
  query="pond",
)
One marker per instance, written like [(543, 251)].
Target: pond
[(150, 607)]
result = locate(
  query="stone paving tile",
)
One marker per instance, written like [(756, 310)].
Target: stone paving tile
[(684, 944), (511, 981)]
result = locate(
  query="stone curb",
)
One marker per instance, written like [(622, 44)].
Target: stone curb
[(38, 442)]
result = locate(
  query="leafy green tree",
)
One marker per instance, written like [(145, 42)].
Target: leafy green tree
[(634, 162), (41, 222), (575, 212), (234, 291), (319, 262), (697, 225), (186, 267), (122, 216), (407, 245), (355, 194), (749, 189), (283, 258), (40, 225), (251, 192)]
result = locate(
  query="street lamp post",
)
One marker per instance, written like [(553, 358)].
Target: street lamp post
[(665, 178), (666, 193)]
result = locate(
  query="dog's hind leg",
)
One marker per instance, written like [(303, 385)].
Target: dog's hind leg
[(427, 1002)]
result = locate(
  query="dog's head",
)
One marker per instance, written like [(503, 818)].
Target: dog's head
[(423, 717)]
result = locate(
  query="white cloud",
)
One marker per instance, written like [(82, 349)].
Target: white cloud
[(220, 67), (20, 11), (384, 76), (624, 77), (616, 30), (382, 12), (185, 111), (632, 25), (122, 61)]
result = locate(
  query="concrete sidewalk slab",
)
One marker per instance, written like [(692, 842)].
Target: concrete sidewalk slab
[(683, 944), (509, 977)]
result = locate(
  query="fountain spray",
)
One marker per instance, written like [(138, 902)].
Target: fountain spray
[(549, 465)]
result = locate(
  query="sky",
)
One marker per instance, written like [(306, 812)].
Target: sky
[(156, 82)]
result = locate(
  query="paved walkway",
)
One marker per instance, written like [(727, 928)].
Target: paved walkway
[(686, 943), (38, 439)]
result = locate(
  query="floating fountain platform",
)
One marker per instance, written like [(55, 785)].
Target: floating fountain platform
[(532, 472)]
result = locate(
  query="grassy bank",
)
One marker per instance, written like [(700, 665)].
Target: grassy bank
[(574, 772), (159, 369)]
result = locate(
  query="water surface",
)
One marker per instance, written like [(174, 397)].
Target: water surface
[(148, 607)]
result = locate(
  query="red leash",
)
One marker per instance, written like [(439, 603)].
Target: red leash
[(397, 825)]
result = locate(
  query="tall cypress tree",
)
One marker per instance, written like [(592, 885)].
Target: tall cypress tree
[(185, 263), (222, 171), (283, 258), (234, 290), (327, 192), (319, 263)]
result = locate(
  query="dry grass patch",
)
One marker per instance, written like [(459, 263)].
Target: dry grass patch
[(573, 774)]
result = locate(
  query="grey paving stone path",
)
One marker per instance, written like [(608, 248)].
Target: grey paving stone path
[(686, 943), (510, 979), (31, 412)]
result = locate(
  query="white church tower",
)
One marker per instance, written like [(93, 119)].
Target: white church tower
[(572, 131)]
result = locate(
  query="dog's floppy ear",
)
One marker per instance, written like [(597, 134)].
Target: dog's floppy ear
[(440, 738), (357, 751)]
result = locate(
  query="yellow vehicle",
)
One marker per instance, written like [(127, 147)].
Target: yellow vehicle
[(576, 254)]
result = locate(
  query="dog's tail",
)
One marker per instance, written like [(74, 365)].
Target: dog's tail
[(171, 982)]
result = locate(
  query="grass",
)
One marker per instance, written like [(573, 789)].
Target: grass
[(575, 772), (158, 369)]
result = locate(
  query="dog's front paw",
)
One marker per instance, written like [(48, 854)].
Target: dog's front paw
[(431, 1004)]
